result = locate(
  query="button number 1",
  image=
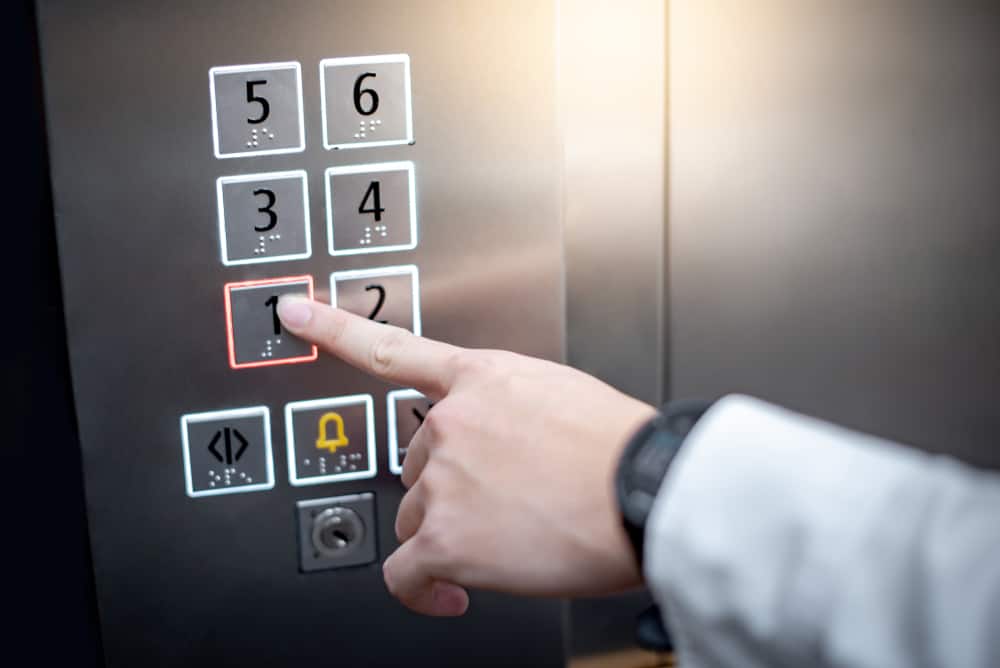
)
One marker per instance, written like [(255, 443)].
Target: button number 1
[(273, 303)]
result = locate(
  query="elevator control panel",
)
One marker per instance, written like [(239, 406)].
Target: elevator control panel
[(242, 485)]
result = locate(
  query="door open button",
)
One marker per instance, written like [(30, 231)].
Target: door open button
[(227, 452)]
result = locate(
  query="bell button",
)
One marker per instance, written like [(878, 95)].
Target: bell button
[(323, 440), (330, 439)]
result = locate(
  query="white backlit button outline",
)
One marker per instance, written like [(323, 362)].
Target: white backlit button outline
[(222, 181), (372, 168), (391, 398), (218, 416), (260, 67), (331, 402), (400, 270), (368, 60)]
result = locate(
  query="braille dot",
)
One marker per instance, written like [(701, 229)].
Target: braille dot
[(249, 144), (271, 135), (378, 122), (249, 479), (363, 135)]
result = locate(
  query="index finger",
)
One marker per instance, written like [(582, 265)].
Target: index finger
[(390, 353)]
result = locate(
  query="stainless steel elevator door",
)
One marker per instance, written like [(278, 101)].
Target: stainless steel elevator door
[(833, 212)]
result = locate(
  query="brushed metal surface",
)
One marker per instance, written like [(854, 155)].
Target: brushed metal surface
[(833, 212), (215, 581), (612, 107)]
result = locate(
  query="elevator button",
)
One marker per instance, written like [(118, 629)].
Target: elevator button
[(390, 295), (263, 217), (366, 101), (227, 452), (257, 109), (405, 412), (371, 208), (330, 440), (255, 335)]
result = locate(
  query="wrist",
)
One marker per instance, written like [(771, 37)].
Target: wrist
[(645, 462)]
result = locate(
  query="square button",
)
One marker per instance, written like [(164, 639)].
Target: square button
[(255, 335), (366, 101), (257, 109), (263, 217), (227, 452), (390, 295), (371, 208), (330, 440), (405, 412)]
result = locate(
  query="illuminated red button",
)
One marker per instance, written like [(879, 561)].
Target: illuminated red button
[(254, 332)]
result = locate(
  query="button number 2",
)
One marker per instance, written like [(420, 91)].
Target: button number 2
[(379, 304)]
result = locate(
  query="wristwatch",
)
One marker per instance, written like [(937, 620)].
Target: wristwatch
[(645, 462)]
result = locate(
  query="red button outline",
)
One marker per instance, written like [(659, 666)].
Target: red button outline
[(227, 290)]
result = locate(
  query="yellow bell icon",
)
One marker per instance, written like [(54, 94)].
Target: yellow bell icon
[(323, 441)]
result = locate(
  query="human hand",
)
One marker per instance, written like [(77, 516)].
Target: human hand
[(510, 476)]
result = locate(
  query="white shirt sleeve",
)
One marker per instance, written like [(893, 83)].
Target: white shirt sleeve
[(779, 540)]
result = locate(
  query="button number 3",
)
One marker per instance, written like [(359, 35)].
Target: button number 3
[(272, 217)]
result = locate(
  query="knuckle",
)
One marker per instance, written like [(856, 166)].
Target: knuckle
[(435, 543), (384, 350), (437, 423)]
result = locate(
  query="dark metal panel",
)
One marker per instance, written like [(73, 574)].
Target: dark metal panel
[(215, 581), (833, 212)]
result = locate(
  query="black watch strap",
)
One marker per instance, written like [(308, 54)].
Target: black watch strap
[(644, 464)]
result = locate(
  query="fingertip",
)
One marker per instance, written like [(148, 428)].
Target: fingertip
[(449, 600), (295, 311), (434, 598)]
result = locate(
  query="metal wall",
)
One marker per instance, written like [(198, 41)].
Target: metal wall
[(612, 87), (833, 214), (216, 579)]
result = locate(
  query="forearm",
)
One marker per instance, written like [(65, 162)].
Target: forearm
[(779, 540)]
